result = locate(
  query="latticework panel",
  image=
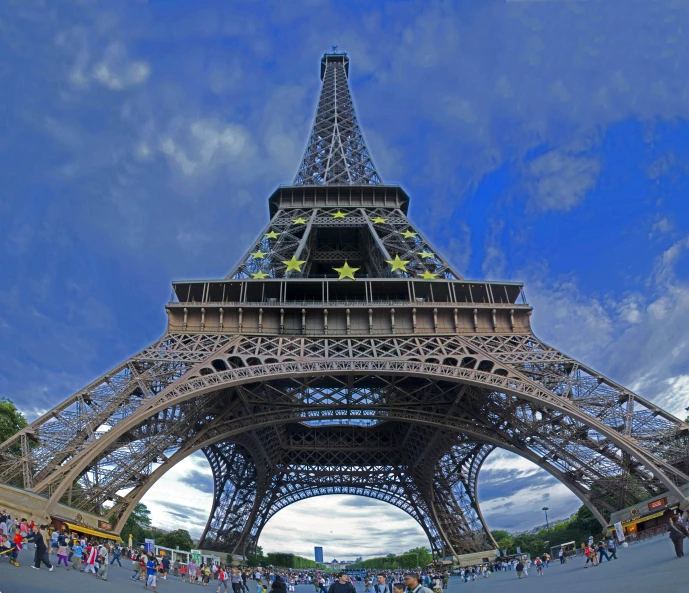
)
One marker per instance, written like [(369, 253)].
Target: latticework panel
[(336, 153)]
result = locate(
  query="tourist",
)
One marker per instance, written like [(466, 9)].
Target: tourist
[(117, 552), (602, 552), (612, 548), (62, 551), (38, 538), (102, 562), (54, 535), (141, 568), (222, 578), (561, 555), (164, 567), (91, 557), (10, 549), (278, 586), (381, 586), (237, 582), (590, 554), (183, 572), (77, 556), (191, 570), (520, 569), (411, 580), (677, 534), (151, 570)]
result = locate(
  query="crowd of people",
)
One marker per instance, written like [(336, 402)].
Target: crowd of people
[(93, 555)]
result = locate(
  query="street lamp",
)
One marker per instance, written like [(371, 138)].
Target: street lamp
[(547, 525)]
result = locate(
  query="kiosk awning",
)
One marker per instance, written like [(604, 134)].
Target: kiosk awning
[(642, 519), (89, 531)]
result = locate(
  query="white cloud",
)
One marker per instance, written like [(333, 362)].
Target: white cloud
[(346, 527), (199, 146), (559, 179), (175, 504), (116, 72), (637, 340)]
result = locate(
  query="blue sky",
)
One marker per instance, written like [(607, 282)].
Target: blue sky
[(541, 140)]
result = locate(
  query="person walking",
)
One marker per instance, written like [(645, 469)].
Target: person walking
[(539, 567), (102, 563), (222, 579), (91, 557), (612, 548), (151, 571), (520, 569), (236, 580), (117, 552), (78, 556), (278, 586), (602, 552), (677, 534), (41, 553)]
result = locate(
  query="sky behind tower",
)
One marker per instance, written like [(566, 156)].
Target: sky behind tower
[(540, 141)]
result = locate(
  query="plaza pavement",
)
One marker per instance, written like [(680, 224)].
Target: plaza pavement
[(646, 567)]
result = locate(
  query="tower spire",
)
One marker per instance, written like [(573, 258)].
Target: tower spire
[(336, 153)]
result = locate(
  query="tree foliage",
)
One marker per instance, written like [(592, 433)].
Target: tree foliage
[(11, 422), (577, 529), (417, 557), (179, 538), (288, 560)]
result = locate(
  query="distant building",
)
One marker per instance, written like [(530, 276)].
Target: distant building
[(318, 553)]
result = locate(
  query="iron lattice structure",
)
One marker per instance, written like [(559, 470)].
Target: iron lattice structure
[(343, 354)]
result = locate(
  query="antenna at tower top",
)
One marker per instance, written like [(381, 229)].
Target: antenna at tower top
[(334, 48), (336, 153)]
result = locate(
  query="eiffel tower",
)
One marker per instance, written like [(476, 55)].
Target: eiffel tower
[(345, 355)]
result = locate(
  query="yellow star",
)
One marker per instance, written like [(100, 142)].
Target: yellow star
[(258, 254), (299, 220), (426, 254), (409, 234), (339, 214), (346, 271), (294, 264), (271, 235), (397, 263), (428, 276), (378, 220), (259, 275)]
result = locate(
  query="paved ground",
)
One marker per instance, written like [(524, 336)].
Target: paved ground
[(646, 567)]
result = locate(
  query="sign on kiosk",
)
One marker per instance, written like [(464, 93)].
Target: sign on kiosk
[(656, 504)]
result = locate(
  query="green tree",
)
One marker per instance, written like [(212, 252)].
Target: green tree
[(179, 538), (409, 560), (424, 555), (11, 422), (506, 544), (137, 524), (499, 534), (257, 558), (141, 515)]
